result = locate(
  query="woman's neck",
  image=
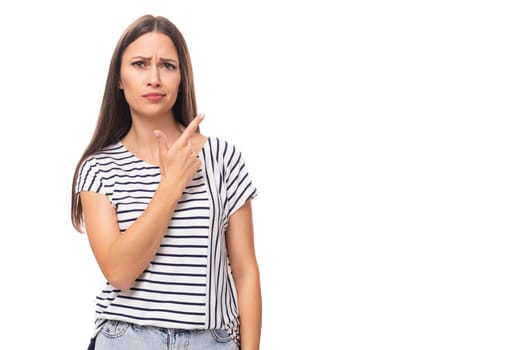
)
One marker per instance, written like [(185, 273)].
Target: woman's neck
[(142, 142)]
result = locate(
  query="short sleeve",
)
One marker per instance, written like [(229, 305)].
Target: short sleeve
[(239, 186), (89, 177)]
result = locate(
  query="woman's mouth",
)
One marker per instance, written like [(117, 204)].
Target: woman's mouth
[(154, 96)]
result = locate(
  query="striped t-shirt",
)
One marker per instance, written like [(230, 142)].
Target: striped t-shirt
[(188, 284)]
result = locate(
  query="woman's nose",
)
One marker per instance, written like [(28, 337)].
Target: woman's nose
[(154, 77)]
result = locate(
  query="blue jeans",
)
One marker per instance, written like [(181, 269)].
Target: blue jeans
[(118, 335)]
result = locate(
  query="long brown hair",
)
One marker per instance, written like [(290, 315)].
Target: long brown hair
[(114, 119)]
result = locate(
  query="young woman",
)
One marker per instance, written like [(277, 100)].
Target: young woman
[(166, 209)]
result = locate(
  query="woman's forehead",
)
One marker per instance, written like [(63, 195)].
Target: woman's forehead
[(152, 44)]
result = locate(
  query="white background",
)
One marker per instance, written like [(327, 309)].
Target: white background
[(385, 137)]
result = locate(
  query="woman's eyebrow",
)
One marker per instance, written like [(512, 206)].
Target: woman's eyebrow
[(163, 59), (172, 60)]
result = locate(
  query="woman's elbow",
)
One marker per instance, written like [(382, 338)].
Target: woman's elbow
[(119, 280)]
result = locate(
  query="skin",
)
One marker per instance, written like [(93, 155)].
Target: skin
[(150, 79)]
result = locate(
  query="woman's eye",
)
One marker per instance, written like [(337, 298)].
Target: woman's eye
[(169, 66), (139, 64)]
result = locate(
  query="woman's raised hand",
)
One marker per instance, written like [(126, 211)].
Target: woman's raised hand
[(179, 163)]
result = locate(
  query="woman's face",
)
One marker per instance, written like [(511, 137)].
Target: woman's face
[(150, 75)]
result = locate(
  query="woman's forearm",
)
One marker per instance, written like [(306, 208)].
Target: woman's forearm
[(250, 310)]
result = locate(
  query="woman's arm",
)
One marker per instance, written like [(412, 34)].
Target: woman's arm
[(245, 270), (123, 257)]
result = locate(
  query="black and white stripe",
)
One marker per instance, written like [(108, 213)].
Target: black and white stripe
[(188, 284)]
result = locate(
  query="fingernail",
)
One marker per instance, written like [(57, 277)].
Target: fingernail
[(156, 132)]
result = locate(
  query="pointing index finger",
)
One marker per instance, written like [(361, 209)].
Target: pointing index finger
[(191, 128)]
